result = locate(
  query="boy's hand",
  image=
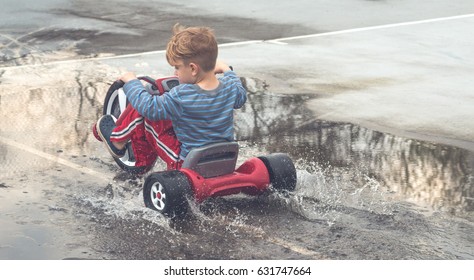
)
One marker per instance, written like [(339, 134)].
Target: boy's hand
[(128, 77), (221, 67)]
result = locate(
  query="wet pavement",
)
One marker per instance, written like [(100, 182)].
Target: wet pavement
[(364, 191)]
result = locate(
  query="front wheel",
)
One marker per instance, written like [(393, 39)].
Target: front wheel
[(167, 192), (282, 171), (114, 104)]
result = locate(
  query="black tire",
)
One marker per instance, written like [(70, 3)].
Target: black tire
[(282, 171), (112, 107), (167, 192), (111, 102)]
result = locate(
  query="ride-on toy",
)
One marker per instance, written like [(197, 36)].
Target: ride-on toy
[(208, 171)]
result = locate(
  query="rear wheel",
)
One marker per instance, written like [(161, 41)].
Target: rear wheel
[(282, 171), (167, 192)]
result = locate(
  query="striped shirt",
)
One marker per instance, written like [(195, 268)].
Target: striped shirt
[(199, 117)]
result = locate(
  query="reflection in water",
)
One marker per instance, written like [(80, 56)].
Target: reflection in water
[(50, 111), (422, 172)]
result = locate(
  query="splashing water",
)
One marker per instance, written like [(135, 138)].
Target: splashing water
[(325, 193)]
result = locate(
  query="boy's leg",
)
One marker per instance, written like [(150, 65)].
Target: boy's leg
[(128, 115), (149, 138), (129, 126), (161, 135), (104, 127), (145, 156)]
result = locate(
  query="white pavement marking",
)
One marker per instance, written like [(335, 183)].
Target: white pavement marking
[(280, 41), (115, 56), (57, 159), (362, 29)]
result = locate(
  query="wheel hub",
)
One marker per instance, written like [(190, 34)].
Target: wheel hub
[(158, 196)]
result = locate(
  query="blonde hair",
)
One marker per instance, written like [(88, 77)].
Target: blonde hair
[(193, 44)]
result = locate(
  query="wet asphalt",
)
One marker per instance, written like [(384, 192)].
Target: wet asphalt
[(384, 171)]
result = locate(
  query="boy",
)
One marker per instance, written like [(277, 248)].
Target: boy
[(200, 108)]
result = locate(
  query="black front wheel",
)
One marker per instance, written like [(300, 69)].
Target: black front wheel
[(114, 104), (282, 171), (167, 192)]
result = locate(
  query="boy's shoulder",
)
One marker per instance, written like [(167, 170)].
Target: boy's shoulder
[(184, 87), (183, 90)]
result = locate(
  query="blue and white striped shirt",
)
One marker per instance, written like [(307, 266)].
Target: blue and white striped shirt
[(199, 117)]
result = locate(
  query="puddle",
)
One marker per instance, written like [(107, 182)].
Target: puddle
[(359, 191), (428, 174)]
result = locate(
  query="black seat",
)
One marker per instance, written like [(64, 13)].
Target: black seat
[(213, 160)]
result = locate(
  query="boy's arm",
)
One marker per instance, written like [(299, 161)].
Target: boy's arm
[(152, 107), (221, 67), (127, 77), (241, 93)]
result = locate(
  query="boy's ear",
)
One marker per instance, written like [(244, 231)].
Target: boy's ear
[(194, 68)]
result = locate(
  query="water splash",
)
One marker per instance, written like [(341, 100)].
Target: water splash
[(326, 193)]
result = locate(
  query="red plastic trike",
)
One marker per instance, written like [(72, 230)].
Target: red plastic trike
[(207, 171)]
